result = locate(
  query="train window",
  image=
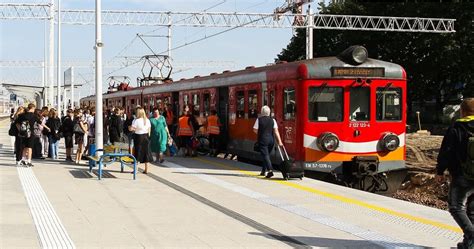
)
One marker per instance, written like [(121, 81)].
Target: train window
[(265, 97), (289, 102), (158, 103), (272, 103), (253, 104), (389, 106), (207, 103), (359, 104), (325, 104), (240, 104), (185, 99), (196, 102)]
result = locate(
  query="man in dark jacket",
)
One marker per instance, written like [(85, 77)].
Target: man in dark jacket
[(115, 126), (67, 129), (452, 154)]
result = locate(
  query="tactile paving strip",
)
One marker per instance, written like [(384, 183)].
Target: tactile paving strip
[(51, 231)]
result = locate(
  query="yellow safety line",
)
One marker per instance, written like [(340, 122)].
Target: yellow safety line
[(343, 199)]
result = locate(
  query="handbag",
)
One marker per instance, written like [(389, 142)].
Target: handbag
[(13, 131), (78, 129), (57, 135)]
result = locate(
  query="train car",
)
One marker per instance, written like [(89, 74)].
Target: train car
[(342, 116)]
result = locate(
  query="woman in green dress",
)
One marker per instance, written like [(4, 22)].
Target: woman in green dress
[(159, 134)]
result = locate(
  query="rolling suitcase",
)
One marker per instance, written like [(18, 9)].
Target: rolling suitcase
[(289, 169)]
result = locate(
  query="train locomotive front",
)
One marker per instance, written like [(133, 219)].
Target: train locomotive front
[(353, 122)]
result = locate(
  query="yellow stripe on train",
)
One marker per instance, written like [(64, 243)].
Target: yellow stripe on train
[(312, 155)]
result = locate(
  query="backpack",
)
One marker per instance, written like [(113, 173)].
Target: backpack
[(467, 166), (25, 130), (13, 131), (37, 130)]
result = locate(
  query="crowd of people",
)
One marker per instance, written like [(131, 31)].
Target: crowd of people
[(37, 132)]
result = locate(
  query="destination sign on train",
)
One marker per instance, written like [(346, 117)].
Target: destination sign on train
[(358, 72)]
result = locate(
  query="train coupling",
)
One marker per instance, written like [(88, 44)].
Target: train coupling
[(365, 165)]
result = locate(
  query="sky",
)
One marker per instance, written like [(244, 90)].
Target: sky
[(23, 40)]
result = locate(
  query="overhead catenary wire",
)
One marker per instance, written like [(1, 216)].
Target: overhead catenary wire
[(183, 19), (212, 35), (186, 44)]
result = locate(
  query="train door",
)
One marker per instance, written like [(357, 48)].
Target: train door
[(269, 99), (282, 101), (222, 108), (175, 103), (287, 116)]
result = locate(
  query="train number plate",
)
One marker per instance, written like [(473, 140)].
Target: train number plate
[(359, 124), (318, 165)]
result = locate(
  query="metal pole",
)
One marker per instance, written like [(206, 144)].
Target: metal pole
[(43, 79), (169, 35), (98, 78), (72, 88), (51, 55), (309, 34), (45, 65), (59, 59)]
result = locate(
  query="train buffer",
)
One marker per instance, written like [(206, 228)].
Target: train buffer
[(201, 202)]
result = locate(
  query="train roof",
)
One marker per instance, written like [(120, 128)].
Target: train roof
[(318, 68)]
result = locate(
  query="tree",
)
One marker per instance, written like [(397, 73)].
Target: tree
[(439, 66)]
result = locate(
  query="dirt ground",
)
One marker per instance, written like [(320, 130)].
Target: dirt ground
[(421, 187)]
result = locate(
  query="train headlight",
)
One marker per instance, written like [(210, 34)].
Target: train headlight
[(390, 142), (354, 55), (328, 142)]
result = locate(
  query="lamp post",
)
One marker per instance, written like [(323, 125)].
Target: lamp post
[(98, 78), (59, 60), (51, 56)]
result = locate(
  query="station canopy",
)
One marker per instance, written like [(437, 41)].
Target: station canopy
[(24, 91)]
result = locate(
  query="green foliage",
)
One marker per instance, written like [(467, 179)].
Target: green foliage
[(435, 63)]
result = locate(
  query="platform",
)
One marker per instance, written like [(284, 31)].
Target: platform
[(200, 202)]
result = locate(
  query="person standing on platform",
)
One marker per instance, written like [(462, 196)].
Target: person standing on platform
[(159, 134), (37, 134), (267, 129), (14, 132), (67, 129), (213, 129), (141, 128), (115, 127), (53, 124), (168, 113), (80, 129), (89, 117), (457, 156), (185, 132), (85, 116), (44, 135), (25, 124), (105, 127)]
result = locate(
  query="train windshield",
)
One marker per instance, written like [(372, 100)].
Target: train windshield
[(389, 106), (359, 104), (325, 104)]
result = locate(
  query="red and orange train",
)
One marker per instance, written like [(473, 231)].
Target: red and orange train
[(343, 116)]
